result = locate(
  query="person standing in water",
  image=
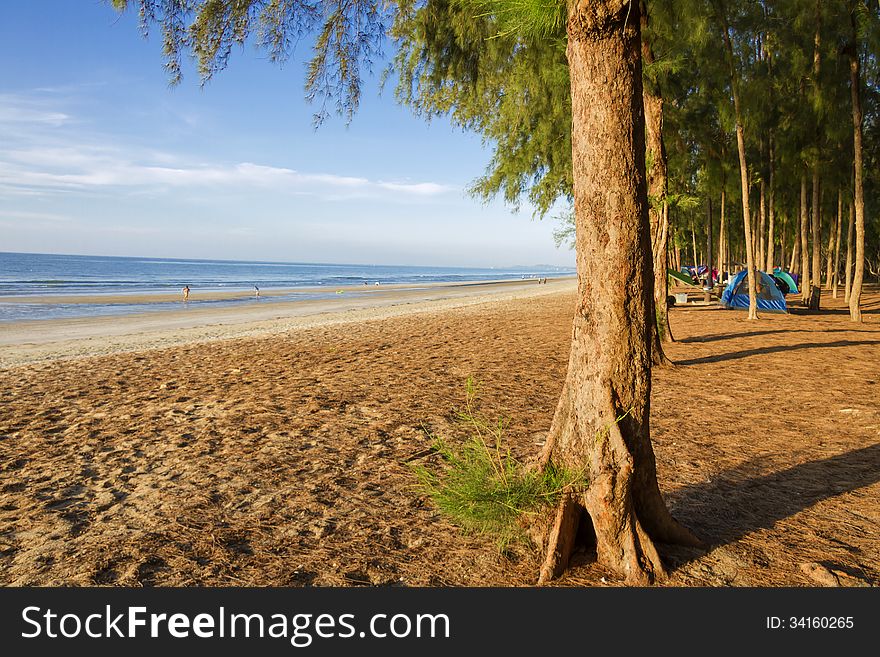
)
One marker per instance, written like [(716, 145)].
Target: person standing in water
[(256, 291), (186, 292)]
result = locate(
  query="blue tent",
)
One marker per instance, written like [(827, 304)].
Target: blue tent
[(736, 294)]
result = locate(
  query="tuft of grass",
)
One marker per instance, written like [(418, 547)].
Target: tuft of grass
[(483, 488)]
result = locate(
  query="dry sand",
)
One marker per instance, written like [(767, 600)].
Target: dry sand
[(282, 458)]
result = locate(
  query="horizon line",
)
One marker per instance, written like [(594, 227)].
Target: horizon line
[(291, 262)]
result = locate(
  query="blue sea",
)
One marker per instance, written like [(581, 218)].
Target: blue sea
[(31, 275)]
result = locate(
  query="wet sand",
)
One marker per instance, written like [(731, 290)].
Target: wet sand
[(34, 341), (197, 295)]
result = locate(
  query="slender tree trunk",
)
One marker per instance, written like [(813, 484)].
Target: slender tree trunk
[(770, 214), (816, 239), (855, 294), (805, 246), (815, 269), (722, 260), (744, 173), (783, 223), (607, 391), (696, 259), (727, 257), (754, 222), (664, 239), (829, 250), (795, 265), (657, 190), (835, 272), (849, 259), (762, 227), (709, 280)]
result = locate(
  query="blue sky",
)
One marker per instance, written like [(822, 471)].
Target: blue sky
[(98, 155)]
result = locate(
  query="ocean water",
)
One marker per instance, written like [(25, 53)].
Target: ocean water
[(30, 276)]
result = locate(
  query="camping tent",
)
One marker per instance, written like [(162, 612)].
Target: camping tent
[(784, 275), (736, 294), (679, 278)]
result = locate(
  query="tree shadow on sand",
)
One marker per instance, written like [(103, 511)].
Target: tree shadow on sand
[(868, 308), (826, 312), (738, 502), (745, 353), (749, 334)]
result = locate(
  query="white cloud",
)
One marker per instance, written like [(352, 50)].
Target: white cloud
[(16, 109), (43, 217), (47, 152), (88, 167), (421, 189)]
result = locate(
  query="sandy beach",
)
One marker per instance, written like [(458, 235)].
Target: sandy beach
[(277, 451), (33, 341)]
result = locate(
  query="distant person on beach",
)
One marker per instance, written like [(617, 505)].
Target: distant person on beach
[(256, 291), (186, 292)]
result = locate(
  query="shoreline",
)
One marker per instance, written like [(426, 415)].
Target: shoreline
[(32, 341), (242, 294)]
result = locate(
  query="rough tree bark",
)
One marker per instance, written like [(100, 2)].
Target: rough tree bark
[(743, 171), (657, 190), (855, 294), (602, 419)]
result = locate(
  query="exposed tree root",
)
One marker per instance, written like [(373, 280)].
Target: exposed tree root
[(560, 541), (624, 505)]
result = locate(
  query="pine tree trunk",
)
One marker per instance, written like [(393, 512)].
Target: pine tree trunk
[(816, 239), (835, 272), (722, 260), (849, 259), (783, 223), (709, 279), (602, 420), (727, 255), (829, 252), (657, 189), (663, 258), (805, 246), (815, 289), (762, 227), (855, 294), (744, 175), (770, 214)]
